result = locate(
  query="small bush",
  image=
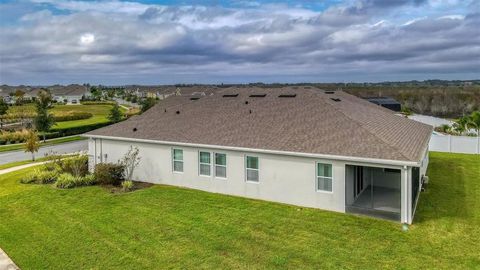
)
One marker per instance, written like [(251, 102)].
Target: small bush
[(39, 177), (30, 178), (66, 180), (88, 180), (109, 173), (76, 166), (127, 185), (47, 177)]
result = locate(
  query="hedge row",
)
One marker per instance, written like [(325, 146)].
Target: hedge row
[(20, 136), (13, 137), (58, 116), (62, 132), (97, 102), (70, 116)]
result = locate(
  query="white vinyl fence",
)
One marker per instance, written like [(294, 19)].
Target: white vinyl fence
[(454, 144)]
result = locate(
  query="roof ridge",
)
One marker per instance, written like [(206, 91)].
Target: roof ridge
[(363, 128)]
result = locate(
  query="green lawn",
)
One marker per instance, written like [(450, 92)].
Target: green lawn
[(13, 147), (167, 227), (100, 113)]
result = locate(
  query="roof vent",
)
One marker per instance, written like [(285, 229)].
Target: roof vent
[(178, 112), (230, 95), (246, 102), (329, 92), (165, 110), (250, 111), (336, 99), (258, 95), (287, 95), (194, 98), (134, 129)]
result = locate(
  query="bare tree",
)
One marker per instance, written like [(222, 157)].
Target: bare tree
[(130, 161)]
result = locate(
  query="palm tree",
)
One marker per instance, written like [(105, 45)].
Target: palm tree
[(445, 128), (474, 121), (460, 126)]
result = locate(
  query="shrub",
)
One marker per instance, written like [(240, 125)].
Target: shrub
[(47, 177), (66, 180), (76, 166), (30, 178), (127, 185), (39, 176), (88, 180), (109, 173)]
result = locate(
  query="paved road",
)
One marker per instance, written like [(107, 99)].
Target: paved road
[(63, 148)]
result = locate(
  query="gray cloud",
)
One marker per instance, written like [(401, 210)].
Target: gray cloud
[(196, 43)]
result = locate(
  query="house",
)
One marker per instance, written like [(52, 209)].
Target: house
[(70, 94), (8, 93), (386, 102), (296, 145)]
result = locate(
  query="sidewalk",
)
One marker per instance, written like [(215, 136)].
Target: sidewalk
[(6, 263), (19, 168)]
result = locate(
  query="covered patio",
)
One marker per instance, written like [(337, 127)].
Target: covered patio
[(373, 191)]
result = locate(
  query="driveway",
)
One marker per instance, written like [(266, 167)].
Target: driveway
[(63, 148)]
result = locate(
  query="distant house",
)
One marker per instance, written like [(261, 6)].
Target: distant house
[(70, 94), (8, 93), (34, 92), (301, 146), (386, 102)]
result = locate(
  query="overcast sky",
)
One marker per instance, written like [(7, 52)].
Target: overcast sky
[(164, 42)]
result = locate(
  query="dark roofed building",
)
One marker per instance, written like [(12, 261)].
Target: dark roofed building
[(386, 102), (298, 145)]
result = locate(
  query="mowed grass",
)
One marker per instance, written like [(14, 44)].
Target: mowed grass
[(168, 227), (100, 114)]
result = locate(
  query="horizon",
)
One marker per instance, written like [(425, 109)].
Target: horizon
[(141, 42), (233, 84)]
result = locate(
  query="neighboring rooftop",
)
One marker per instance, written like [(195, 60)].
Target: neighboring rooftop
[(69, 90), (304, 119), (386, 102)]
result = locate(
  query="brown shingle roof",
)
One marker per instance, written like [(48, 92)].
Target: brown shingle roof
[(310, 122)]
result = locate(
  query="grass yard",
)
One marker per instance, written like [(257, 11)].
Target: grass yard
[(100, 113), (169, 227)]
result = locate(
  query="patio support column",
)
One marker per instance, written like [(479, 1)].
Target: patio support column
[(404, 196)]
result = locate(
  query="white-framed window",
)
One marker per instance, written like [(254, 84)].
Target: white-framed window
[(324, 177), (251, 168), (204, 163), (220, 165), (177, 157)]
